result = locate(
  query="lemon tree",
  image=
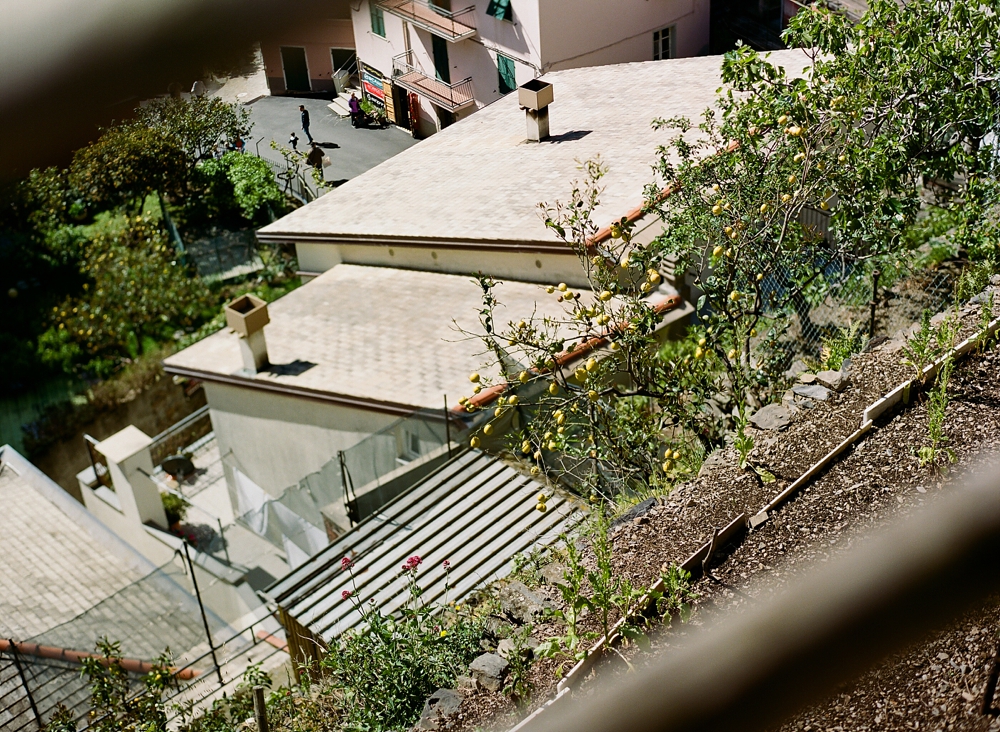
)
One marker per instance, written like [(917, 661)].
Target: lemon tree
[(795, 172), (799, 172), (594, 391)]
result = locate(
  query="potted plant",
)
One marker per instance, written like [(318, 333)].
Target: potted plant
[(176, 509)]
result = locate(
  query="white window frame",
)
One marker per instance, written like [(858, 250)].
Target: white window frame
[(670, 32)]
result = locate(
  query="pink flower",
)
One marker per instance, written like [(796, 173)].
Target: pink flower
[(414, 561), (446, 564), (346, 594), (346, 564)]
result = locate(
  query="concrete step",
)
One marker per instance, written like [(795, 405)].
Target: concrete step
[(339, 106)]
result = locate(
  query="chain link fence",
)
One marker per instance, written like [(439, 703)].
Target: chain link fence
[(877, 298), (147, 617)]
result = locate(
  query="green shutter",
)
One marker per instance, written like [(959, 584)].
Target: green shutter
[(441, 68), (378, 19), (500, 9), (508, 81)]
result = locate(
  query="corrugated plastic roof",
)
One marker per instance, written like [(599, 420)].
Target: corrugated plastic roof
[(475, 511)]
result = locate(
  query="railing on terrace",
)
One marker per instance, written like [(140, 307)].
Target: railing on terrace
[(448, 96), (452, 26), (181, 434), (292, 180)]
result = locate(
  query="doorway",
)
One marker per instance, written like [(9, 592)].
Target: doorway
[(293, 63), (441, 68)]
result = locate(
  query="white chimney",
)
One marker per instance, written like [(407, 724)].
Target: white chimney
[(247, 315), (535, 98)]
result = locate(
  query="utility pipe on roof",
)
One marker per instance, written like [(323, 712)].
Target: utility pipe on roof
[(64, 654)]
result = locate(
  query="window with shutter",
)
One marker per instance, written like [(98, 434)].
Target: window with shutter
[(378, 19), (500, 9), (505, 67)]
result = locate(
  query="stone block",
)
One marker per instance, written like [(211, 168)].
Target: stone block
[(771, 417), (835, 380), (812, 391), (489, 670), (439, 709)]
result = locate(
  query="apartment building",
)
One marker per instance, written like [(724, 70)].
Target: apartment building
[(429, 64)]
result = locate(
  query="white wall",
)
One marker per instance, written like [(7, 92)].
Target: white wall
[(522, 266), (277, 440), (576, 33)]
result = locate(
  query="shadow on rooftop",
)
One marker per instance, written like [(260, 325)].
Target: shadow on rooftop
[(569, 136), (295, 368)]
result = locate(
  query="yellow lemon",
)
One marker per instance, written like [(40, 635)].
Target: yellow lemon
[(535, 470), (764, 208), (841, 158), (513, 400), (553, 388), (606, 295), (552, 446), (785, 198), (580, 374), (550, 289), (799, 157), (592, 395), (732, 354), (474, 378), (474, 443), (717, 209), (541, 498), (792, 179), (666, 466), (824, 206), (717, 251), (782, 119), (477, 389), (560, 418), (676, 454), (498, 411), (760, 276), (591, 364), (488, 430), (699, 352), (523, 377), (614, 346), (702, 341), (561, 287), (525, 447), (734, 295), (537, 455), (541, 508)]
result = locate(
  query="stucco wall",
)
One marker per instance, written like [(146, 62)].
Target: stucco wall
[(276, 440), (521, 266), (317, 37), (578, 33)]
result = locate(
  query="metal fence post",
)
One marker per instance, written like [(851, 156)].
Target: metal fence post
[(874, 302), (204, 618), (447, 426), (260, 709), (24, 682)]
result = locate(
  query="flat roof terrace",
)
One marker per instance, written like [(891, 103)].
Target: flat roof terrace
[(372, 337)]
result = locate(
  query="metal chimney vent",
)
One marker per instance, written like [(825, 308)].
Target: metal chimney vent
[(535, 97)]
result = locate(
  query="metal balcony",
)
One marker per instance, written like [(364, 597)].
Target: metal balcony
[(452, 26), (447, 96)]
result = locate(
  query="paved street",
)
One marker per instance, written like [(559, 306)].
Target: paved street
[(351, 151)]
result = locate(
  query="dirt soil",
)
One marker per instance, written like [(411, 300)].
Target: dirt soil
[(936, 685)]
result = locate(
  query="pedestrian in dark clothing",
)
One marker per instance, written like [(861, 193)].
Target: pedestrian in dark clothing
[(315, 156), (355, 107), (293, 140), (304, 114)]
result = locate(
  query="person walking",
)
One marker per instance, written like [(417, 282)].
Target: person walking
[(293, 140), (315, 156), (304, 115), (355, 107)]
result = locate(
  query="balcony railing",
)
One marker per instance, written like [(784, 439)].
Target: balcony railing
[(447, 96), (452, 26)]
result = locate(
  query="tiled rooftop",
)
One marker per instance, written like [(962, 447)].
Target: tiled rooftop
[(374, 333), (58, 560), (479, 181)]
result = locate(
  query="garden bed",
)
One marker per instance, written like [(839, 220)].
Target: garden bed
[(872, 484)]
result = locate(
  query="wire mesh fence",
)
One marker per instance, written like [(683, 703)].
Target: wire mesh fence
[(150, 616), (225, 254), (879, 298)]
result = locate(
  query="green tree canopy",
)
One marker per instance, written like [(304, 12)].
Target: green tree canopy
[(198, 124)]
